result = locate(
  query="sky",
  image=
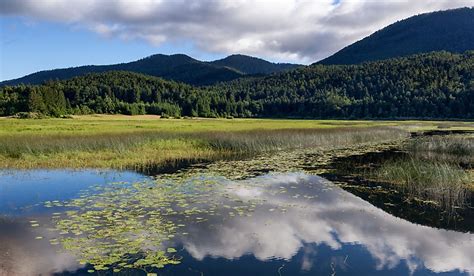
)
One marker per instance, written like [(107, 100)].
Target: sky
[(47, 34)]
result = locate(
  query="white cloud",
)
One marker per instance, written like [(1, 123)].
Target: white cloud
[(298, 30)]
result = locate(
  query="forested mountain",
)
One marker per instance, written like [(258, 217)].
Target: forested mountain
[(450, 30), (178, 67), (433, 85), (438, 84), (252, 65)]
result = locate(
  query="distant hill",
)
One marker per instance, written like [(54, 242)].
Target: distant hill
[(252, 65), (177, 67), (451, 30)]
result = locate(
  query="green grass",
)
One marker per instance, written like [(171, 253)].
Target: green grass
[(437, 169), (258, 141), (94, 124), (118, 141), (146, 142), (446, 184), (120, 123), (458, 145), (131, 142)]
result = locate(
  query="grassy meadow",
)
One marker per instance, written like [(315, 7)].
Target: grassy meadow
[(126, 141), (117, 141)]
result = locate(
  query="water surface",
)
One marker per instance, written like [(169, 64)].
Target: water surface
[(274, 224)]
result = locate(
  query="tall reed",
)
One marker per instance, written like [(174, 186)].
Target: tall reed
[(152, 147), (15, 146), (258, 141), (453, 144), (444, 183)]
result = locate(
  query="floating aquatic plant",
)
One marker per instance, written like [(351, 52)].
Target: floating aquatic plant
[(131, 226)]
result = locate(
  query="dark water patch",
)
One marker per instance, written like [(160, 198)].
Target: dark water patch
[(360, 162), (440, 132), (172, 166), (169, 166), (397, 204)]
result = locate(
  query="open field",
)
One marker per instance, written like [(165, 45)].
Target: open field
[(92, 124), (116, 141)]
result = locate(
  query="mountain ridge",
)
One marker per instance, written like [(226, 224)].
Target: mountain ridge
[(447, 30), (428, 85), (176, 67), (253, 65)]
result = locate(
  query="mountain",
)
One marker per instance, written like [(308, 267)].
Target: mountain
[(253, 65), (450, 30), (179, 67), (428, 85), (432, 85)]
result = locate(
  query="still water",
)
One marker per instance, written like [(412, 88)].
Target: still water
[(274, 224)]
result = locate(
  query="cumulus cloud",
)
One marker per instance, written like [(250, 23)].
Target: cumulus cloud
[(297, 30)]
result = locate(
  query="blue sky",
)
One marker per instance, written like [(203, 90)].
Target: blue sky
[(47, 34), (29, 46)]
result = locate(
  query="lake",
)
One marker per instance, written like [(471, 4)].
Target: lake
[(78, 222)]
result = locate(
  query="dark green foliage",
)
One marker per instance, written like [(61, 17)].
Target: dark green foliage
[(427, 85), (451, 30), (45, 99), (252, 65), (110, 92), (35, 102), (179, 68), (159, 108), (434, 85)]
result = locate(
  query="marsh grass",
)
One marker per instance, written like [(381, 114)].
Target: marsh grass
[(458, 145), (106, 152), (453, 149), (149, 149), (259, 141), (441, 182), (16, 146)]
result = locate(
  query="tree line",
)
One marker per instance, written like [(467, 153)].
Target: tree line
[(433, 85)]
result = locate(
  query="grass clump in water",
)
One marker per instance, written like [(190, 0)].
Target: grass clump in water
[(454, 145), (441, 182)]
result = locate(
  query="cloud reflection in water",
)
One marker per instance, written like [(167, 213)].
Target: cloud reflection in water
[(334, 218)]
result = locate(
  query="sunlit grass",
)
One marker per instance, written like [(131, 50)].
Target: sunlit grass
[(121, 142), (119, 155), (271, 140), (118, 141), (94, 124)]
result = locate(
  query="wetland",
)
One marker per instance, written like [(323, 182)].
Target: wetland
[(308, 201)]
